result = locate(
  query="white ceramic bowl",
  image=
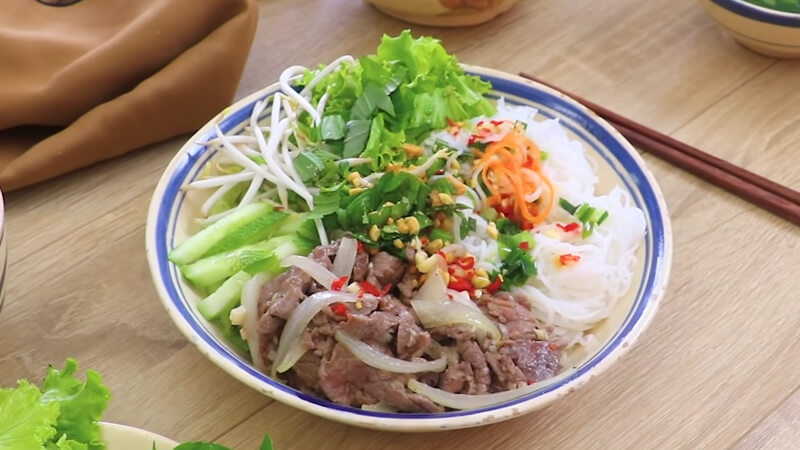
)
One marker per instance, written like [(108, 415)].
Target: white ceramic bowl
[(123, 437), (171, 213), (764, 30), (3, 252), (444, 13)]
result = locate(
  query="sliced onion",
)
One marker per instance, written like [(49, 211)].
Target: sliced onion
[(250, 294), (379, 407), (311, 267), (436, 314), (433, 289), (345, 257), (379, 360), (464, 401), (290, 349)]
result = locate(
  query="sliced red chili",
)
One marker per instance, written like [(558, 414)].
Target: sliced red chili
[(359, 247), (568, 258), (527, 226), (338, 283), (480, 123), (570, 227), (450, 122), (370, 288), (459, 284), (442, 254), (497, 122), (495, 285), (466, 262), (524, 245), (339, 309), (472, 139)]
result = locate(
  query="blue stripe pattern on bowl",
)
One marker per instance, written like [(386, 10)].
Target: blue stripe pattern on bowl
[(578, 121), (760, 13)]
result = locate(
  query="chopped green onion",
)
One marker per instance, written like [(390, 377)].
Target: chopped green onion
[(567, 206)]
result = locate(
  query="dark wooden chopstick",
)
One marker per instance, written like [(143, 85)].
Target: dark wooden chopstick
[(762, 192)]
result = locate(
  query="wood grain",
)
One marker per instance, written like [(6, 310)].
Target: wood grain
[(717, 368)]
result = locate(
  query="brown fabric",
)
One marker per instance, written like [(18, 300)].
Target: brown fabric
[(99, 78)]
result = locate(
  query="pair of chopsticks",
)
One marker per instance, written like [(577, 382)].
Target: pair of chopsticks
[(762, 192)]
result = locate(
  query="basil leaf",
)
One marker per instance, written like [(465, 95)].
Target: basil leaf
[(332, 128), (356, 140)]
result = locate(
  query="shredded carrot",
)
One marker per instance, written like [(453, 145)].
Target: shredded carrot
[(511, 169)]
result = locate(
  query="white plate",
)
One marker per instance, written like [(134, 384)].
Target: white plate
[(123, 437)]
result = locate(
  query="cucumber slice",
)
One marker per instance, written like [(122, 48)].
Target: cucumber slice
[(224, 299), (227, 228), (214, 269)]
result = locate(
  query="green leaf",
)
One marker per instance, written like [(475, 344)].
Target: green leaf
[(67, 444), (467, 225), (356, 139), (25, 422), (383, 146), (308, 165), (267, 444), (81, 403), (332, 127), (373, 98), (324, 204)]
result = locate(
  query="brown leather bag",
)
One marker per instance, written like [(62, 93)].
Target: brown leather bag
[(95, 79)]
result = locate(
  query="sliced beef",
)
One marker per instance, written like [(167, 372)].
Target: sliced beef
[(408, 285), (456, 377), (375, 327), (269, 331), (348, 381), (305, 373), (536, 359), (385, 270), (456, 332), (472, 353), (506, 373), (281, 295), (412, 341), (361, 266), (324, 254), (513, 312)]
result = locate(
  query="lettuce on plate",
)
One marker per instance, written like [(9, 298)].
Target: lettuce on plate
[(62, 415)]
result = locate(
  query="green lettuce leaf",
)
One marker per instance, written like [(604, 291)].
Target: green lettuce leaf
[(25, 422), (383, 145), (81, 404)]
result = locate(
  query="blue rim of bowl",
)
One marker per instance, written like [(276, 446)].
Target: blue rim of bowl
[(658, 253), (760, 13)]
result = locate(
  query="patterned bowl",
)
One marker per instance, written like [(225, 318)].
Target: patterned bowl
[(171, 213), (3, 252), (764, 30), (444, 13)]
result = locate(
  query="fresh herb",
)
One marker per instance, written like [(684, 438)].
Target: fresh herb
[(409, 88), (467, 225), (445, 236), (518, 266), (63, 414), (332, 127), (589, 217)]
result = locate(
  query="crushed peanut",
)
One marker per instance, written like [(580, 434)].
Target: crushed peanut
[(491, 230), (374, 233)]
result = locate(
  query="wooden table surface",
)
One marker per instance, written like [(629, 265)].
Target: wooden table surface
[(718, 368)]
